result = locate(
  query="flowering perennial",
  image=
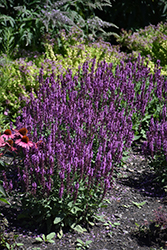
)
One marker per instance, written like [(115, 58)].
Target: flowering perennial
[(85, 122), (9, 139)]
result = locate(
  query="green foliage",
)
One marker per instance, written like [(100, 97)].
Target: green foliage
[(150, 41), (153, 231), (74, 51), (139, 205), (13, 85), (80, 245), (47, 239), (3, 194), (25, 24), (7, 41), (55, 214), (7, 240), (18, 77), (159, 164)]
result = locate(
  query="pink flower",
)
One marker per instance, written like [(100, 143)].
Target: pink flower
[(7, 134), (24, 142), (2, 142), (21, 132)]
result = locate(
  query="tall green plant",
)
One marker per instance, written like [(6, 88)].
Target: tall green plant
[(30, 22)]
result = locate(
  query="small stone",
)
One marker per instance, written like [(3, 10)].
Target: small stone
[(125, 232), (118, 215)]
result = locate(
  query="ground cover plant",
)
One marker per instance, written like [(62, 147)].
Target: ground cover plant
[(85, 123)]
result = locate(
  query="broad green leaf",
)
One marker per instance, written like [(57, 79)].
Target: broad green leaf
[(88, 242), (75, 209), (91, 223), (20, 244), (51, 241), (57, 220), (80, 241), (70, 204), (79, 229), (39, 239), (136, 137), (50, 236), (7, 245), (5, 201), (43, 237)]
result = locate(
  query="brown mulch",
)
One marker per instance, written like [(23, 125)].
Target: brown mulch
[(135, 183)]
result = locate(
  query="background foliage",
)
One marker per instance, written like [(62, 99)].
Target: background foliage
[(26, 24)]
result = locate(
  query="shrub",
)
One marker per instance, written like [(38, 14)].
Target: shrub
[(148, 41), (24, 24)]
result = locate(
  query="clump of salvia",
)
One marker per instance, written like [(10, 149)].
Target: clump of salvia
[(85, 122)]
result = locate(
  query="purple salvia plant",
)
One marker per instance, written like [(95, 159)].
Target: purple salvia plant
[(157, 136), (85, 123), (68, 128)]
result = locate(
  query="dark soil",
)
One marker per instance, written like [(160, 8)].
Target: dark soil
[(134, 184)]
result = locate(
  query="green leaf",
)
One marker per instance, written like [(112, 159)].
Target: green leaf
[(106, 224), (80, 241), (57, 220), (116, 223), (88, 242), (139, 205), (43, 237), (79, 229), (51, 241), (70, 204), (7, 245), (99, 218), (2, 191), (19, 244), (5, 201), (91, 223), (75, 209), (39, 239), (107, 200), (136, 137), (50, 236)]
